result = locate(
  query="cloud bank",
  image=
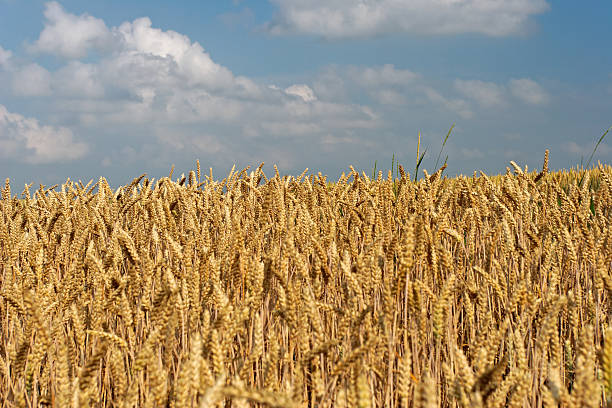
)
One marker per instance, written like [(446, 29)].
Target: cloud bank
[(350, 18), (134, 95), (160, 81)]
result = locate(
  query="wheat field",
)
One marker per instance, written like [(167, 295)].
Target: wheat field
[(296, 292)]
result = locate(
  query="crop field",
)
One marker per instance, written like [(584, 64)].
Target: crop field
[(296, 292)]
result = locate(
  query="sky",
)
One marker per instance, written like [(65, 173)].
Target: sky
[(116, 89)]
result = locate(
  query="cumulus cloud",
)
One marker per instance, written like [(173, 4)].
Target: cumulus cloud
[(484, 93), (528, 91), (191, 61), (32, 80), (161, 85), (349, 18), (35, 143), (303, 91), (70, 36)]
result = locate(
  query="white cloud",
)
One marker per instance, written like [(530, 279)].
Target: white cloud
[(191, 61), (162, 89), (78, 80), (388, 85), (330, 85), (350, 18), (71, 36), (382, 75), (389, 97), (385, 84), (198, 106), (458, 106), (486, 94), (528, 91), (32, 80), (303, 91), (5, 56), (22, 137), (160, 78)]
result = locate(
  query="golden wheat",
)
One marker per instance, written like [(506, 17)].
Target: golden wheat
[(486, 291)]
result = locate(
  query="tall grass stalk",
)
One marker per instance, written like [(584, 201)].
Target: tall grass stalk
[(442, 148), (592, 154), (419, 159)]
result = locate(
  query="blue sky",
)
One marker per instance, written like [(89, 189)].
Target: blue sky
[(116, 88)]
